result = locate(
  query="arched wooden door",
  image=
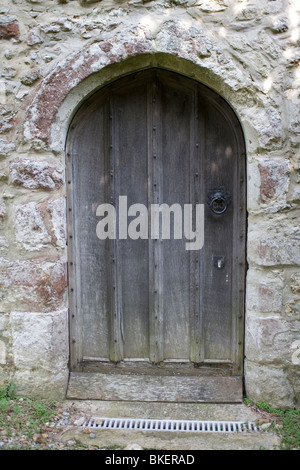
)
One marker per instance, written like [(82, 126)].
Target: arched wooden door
[(155, 317)]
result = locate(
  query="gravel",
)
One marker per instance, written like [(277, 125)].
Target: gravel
[(16, 433)]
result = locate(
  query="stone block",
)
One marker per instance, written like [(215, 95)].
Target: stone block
[(32, 285), (263, 126), (7, 123), (274, 176), (9, 28), (4, 245), (292, 295), (245, 13), (2, 209), (279, 25), (34, 37), (4, 377), (4, 324), (39, 225), (295, 284), (2, 353), (40, 349), (295, 347), (57, 211), (269, 339), (293, 117), (270, 384), (274, 240), (294, 195), (295, 383), (208, 6), (9, 73), (264, 292), (31, 232), (31, 77), (6, 147), (42, 384), (40, 340), (5, 337), (32, 174)]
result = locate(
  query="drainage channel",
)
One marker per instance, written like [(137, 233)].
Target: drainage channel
[(171, 425)]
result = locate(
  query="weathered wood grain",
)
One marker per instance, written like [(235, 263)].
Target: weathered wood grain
[(89, 386)]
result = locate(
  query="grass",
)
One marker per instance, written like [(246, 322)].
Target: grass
[(27, 423), (285, 422), (23, 415)]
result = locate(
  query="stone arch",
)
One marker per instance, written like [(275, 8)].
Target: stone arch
[(178, 48)]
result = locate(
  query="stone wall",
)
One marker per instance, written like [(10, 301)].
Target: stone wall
[(54, 53)]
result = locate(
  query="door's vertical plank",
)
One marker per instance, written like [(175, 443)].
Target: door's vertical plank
[(177, 120), (201, 127), (193, 183), (131, 167), (154, 184), (219, 285), (152, 155), (87, 255), (114, 286), (239, 248), (197, 197), (241, 261), (237, 231)]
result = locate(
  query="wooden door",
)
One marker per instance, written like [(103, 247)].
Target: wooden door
[(149, 318)]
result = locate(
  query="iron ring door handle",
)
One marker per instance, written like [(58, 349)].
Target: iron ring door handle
[(219, 199)]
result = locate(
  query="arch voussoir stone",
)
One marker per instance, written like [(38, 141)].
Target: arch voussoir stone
[(174, 43)]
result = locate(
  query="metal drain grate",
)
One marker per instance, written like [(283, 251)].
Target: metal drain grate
[(171, 425)]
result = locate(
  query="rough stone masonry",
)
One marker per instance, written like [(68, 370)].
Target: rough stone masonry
[(54, 53)]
